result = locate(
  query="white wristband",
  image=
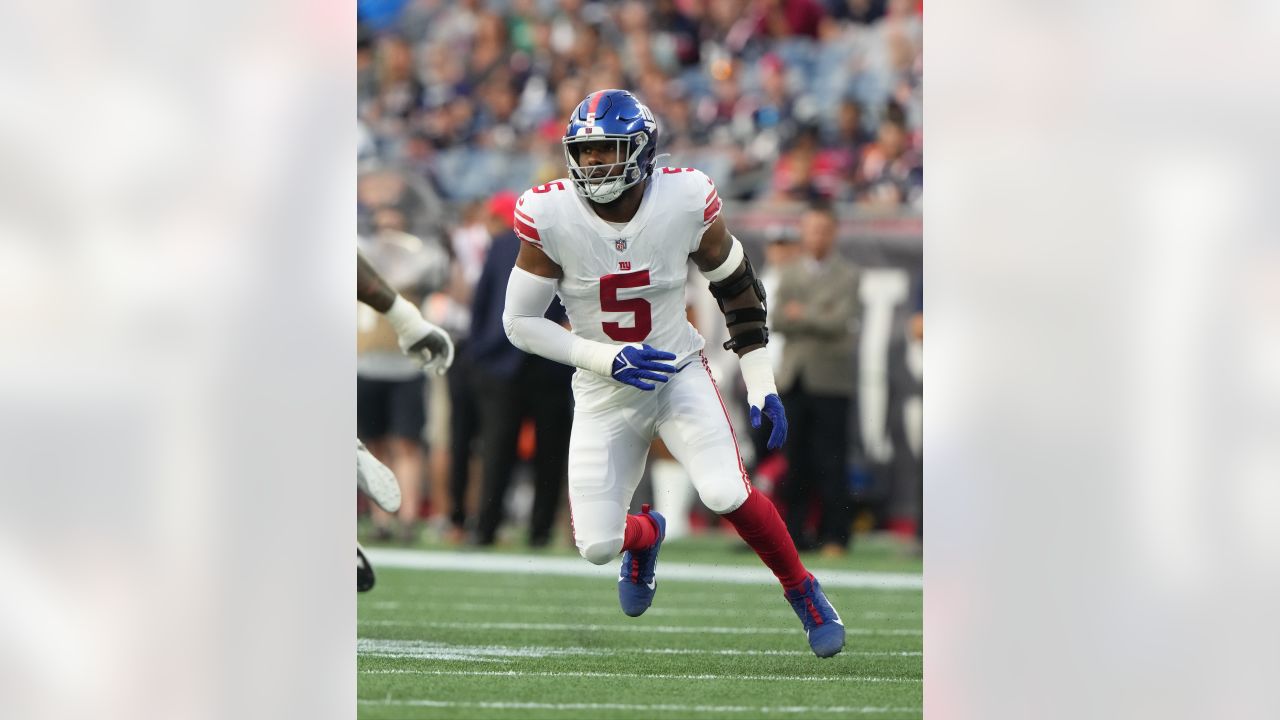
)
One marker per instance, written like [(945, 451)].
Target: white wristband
[(594, 356), (403, 316), (757, 373), (528, 296)]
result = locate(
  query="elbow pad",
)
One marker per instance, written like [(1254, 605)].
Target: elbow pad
[(735, 276)]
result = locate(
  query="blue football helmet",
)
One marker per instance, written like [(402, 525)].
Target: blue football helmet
[(619, 116)]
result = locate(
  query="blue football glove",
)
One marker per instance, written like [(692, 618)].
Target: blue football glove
[(633, 365), (777, 416)]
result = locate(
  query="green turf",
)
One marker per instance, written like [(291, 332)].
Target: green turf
[(485, 645)]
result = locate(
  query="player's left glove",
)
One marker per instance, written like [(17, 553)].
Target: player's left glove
[(762, 395), (420, 339)]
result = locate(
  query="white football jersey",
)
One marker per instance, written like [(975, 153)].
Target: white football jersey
[(624, 285)]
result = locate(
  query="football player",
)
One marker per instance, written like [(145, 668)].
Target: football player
[(613, 239), (418, 338)]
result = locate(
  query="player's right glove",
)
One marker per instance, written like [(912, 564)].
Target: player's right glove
[(434, 348), (419, 338), (634, 365)]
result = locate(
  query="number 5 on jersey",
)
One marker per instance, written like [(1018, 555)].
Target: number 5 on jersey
[(638, 307)]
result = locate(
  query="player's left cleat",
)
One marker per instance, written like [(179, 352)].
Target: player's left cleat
[(364, 571), (822, 623), (376, 480), (637, 582)]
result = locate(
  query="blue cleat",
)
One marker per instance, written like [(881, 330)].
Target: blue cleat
[(636, 581), (822, 623)]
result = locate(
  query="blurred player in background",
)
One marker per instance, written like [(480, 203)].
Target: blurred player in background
[(614, 240), (390, 387), (420, 340)]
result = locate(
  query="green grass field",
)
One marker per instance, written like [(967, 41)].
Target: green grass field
[(477, 643)]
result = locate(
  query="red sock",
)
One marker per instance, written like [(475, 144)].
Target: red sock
[(758, 522), (642, 532)]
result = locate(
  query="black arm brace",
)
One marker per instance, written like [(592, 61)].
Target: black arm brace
[(732, 286)]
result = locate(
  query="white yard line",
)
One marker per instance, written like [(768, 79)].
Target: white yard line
[(755, 709), (421, 650), (646, 676), (669, 629), (427, 650), (577, 567), (779, 612), (805, 653)]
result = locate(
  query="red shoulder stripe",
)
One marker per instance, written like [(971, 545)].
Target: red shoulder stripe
[(526, 229), (529, 240), (711, 212)]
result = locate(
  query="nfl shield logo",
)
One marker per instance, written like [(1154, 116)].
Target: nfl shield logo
[(620, 244)]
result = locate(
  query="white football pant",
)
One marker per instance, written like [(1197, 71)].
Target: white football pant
[(672, 495), (609, 444)]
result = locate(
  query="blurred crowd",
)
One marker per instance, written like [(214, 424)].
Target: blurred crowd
[(786, 105), (774, 100)]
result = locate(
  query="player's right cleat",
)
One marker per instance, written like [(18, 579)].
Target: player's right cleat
[(636, 581), (376, 480), (364, 571), (822, 623)]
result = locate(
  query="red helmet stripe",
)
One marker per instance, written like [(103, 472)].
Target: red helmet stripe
[(595, 101)]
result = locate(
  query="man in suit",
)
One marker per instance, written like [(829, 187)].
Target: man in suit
[(818, 310), (512, 385)]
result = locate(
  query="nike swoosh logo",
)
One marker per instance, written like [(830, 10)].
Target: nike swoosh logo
[(652, 585)]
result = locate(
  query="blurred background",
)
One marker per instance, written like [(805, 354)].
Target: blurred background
[(807, 115), (1103, 408)]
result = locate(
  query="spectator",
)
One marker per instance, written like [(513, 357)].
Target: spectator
[(816, 305), (786, 18), (862, 12), (848, 137), (512, 385), (470, 75), (891, 172), (807, 171), (677, 35), (470, 244), (398, 90)]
